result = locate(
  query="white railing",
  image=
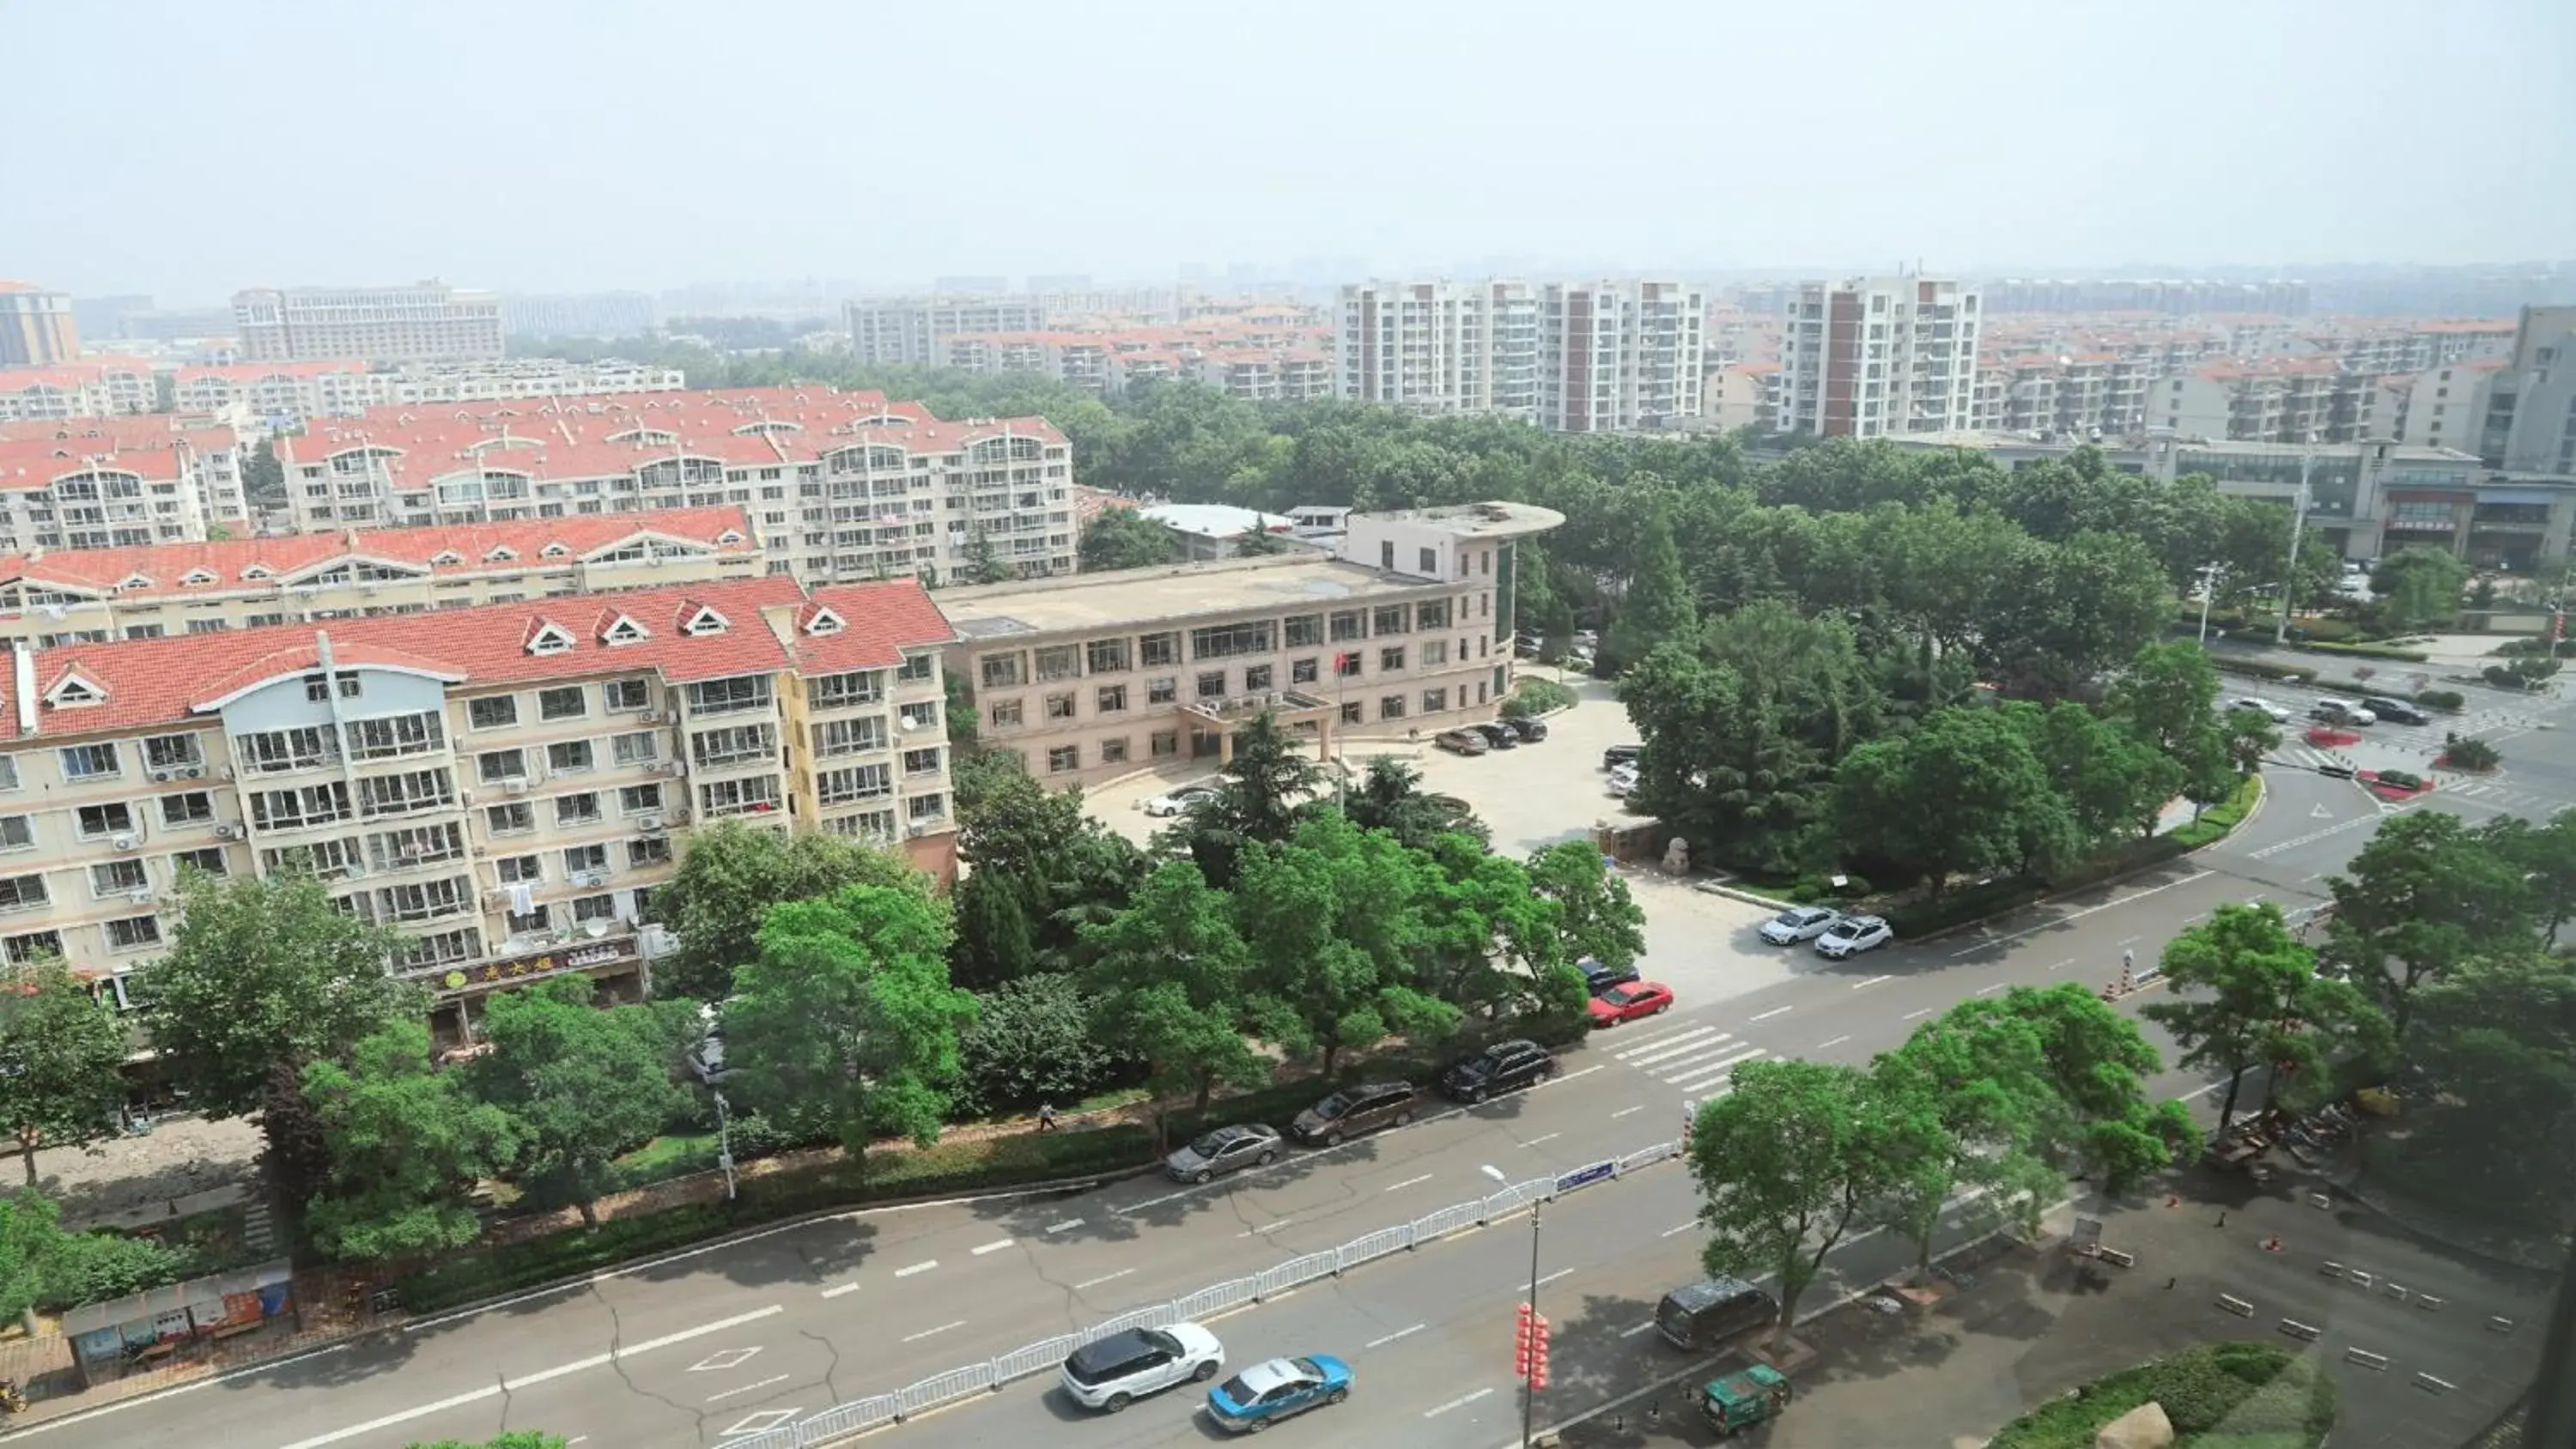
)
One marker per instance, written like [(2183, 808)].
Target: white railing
[(857, 1416)]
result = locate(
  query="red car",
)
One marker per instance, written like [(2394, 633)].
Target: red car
[(1629, 1002)]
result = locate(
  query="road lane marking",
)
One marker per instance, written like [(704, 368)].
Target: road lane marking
[(1982, 990), (1873, 981), (1552, 1277), (1550, 1137), (921, 1267), (993, 1247), (1654, 1038), (928, 1332), (760, 1423), (1693, 1078), (2131, 940), (1266, 1228), (1457, 1403), (1837, 1041), (747, 1388), (1918, 1015), (1640, 1328), (1766, 1016), (1068, 1223), (1680, 1049), (1635, 1049), (1103, 1278), (1684, 1228), (1569, 1076), (1392, 1337), (837, 1289), (731, 1358), (1408, 1182), (1624, 1111), (2052, 924)]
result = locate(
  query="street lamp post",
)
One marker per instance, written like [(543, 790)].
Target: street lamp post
[(2298, 523), (2208, 590), (724, 1142), (1529, 1377)]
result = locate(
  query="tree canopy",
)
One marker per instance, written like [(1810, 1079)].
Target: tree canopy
[(583, 1085), (407, 1143), (62, 1061), (730, 874), (1122, 538)]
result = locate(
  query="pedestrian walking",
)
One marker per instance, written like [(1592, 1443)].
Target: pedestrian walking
[(2128, 961), (1046, 1116)]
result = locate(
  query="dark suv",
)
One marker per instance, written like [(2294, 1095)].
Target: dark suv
[(1503, 1067), (2396, 710), (1354, 1110)]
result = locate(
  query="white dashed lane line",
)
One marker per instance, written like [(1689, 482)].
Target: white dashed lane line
[(1457, 1403), (1766, 1016), (1103, 1278), (916, 1268), (1066, 1225), (1408, 1182), (993, 1247), (929, 1332)]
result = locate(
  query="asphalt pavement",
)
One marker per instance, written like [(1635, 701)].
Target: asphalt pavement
[(734, 1337)]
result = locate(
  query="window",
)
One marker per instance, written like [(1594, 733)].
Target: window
[(1390, 660), (1431, 614), (34, 946), (564, 703), (8, 772), (1114, 752), (753, 795), (134, 933), (515, 818), (733, 745), (22, 893), (527, 923), (425, 845), (643, 854), (922, 715), (570, 756), (1110, 699), (1106, 656), (725, 696), (637, 799), (1001, 671), (859, 782), (406, 792), (640, 748), (113, 818), (1434, 652), (1346, 665), (1303, 671), (1162, 691), (583, 858), (594, 908), (89, 762), (1391, 707), (1228, 641), (921, 762), (927, 807), (1158, 650), (17, 832), (1059, 706), (1351, 712), (296, 749), (577, 809), (1434, 700), (495, 766), (1064, 758), (196, 807), (520, 870), (1349, 625), (1392, 619), (1004, 714), (626, 696), (393, 735), (1163, 744), (917, 668), (210, 861), (1211, 684), (118, 878), (1058, 661), (493, 712), (1257, 678), (446, 948), (1429, 560), (1304, 631), (842, 691), (173, 752)]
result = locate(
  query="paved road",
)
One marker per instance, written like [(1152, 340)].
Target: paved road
[(714, 1344)]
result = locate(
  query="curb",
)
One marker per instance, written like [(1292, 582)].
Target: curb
[(1750, 898)]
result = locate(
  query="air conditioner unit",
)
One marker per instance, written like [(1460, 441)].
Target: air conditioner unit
[(916, 831), (126, 842), (141, 896), (464, 797), (514, 786), (228, 772), (194, 772), (670, 767), (228, 832), (482, 850), (590, 877), (163, 774), (648, 822)]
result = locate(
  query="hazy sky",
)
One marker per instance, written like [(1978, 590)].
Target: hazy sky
[(186, 149)]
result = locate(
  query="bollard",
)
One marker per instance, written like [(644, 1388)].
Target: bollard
[(2428, 1302), (2331, 1269), (2363, 1279), (2500, 1325), (2394, 1290), (2296, 1329), (2236, 1305), (2366, 1358), (2432, 1385)]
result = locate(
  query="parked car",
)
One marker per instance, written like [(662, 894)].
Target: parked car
[(1598, 977), (1179, 801), (1461, 742), (1498, 736), (1354, 1110), (2342, 711), (1531, 731), (1798, 923), (1111, 1373), (1266, 1393), (1701, 1315), (1630, 1002), (2396, 709), (1617, 755), (1623, 781), (1852, 935), (1227, 1149), (1503, 1067), (2264, 707)]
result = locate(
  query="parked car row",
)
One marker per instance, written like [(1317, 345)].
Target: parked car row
[(1504, 1066), (1478, 739), (1835, 934), (1108, 1374)]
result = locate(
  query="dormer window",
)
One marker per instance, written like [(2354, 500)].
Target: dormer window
[(824, 622), (255, 571), (704, 621), (73, 691), (135, 581), (623, 630), (553, 550), (446, 558), (197, 576), (501, 553), (730, 535), (549, 638)]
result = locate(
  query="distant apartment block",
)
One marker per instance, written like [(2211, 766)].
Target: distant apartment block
[(2272, 400), (115, 483), (37, 328), (1619, 356), (427, 322), (290, 394), (1876, 357), (2531, 411), (60, 596), (1440, 347), (580, 314), (1743, 395), (97, 388), (1253, 358), (2171, 297), (917, 329), (842, 486)]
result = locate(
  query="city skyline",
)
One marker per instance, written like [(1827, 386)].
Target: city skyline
[(1808, 140)]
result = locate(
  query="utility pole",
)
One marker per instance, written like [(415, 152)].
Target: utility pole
[(724, 1142), (2298, 522), (2209, 587)]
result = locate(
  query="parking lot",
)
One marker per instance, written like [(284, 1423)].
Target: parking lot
[(1538, 795)]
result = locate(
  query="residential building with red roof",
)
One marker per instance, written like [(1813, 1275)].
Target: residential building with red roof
[(504, 790), (56, 597), (90, 388), (841, 486)]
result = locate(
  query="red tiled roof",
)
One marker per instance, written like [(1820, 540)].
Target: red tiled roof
[(170, 681), (289, 556), (36, 464), (134, 430)]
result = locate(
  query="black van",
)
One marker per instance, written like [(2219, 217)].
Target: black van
[(1708, 1313)]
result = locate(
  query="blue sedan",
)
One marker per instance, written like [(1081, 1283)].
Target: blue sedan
[(1266, 1393)]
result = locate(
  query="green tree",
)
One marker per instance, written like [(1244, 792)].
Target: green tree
[(407, 1145), (1787, 1163), (2091, 602), (1389, 797), (731, 874), (2546, 856), (2251, 737), (263, 477), (1658, 604), (62, 1061), (1174, 976), (1261, 795), (1334, 929), (1964, 793), (2498, 1036), (584, 1085), (2113, 782), (1602, 921), (2246, 995), (1259, 543), (2418, 586), (984, 562), (518, 1439), (1122, 538), (2087, 1109), (1039, 867), (2169, 695), (847, 1018), (1033, 1041), (1960, 1107), (265, 975), (2423, 896), (30, 1235)]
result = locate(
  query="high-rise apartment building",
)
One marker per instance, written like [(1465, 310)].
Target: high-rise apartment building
[(1877, 356), (1619, 356), (36, 327), (917, 329), (2531, 412), (1440, 347), (430, 321)]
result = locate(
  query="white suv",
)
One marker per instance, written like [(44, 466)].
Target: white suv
[(1111, 1373)]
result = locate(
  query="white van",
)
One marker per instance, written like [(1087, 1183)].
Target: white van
[(2342, 711)]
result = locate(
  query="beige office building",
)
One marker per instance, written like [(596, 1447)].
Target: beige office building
[(425, 322), (1406, 628)]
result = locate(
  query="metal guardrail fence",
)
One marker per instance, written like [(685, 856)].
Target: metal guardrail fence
[(860, 1415)]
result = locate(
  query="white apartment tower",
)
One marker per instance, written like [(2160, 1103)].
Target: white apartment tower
[(1879, 355), (917, 329), (1619, 356), (1440, 347), (427, 322)]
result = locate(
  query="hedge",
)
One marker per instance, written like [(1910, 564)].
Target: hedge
[(2256, 669), (2243, 1395), (1919, 918), (2362, 651), (1539, 696), (2443, 699)]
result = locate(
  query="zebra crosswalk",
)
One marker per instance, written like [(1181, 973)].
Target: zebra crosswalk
[(2500, 795), (1695, 1059)]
